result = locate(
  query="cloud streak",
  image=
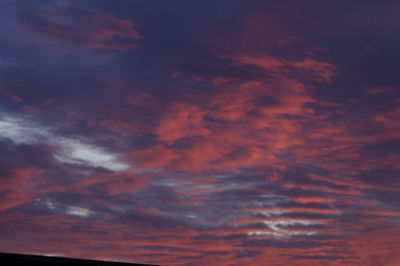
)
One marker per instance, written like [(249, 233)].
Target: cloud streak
[(67, 150), (82, 28)]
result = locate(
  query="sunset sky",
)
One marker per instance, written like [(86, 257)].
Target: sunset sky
[(183, 132)]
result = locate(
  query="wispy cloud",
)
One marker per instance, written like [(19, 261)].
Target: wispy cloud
[(67, 150), (82, 28)]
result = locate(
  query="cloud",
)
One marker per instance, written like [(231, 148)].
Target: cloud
[(379, 91), (82, 28), (67, 150), (262, 146), (281, 233), (182, 121), (189, 134), (16, 99), (75, 152), (16, 188), (318, 70)]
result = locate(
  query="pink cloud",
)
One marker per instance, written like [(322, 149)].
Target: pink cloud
[(16, 187), (380, 90), (317, 70), (16, 99)]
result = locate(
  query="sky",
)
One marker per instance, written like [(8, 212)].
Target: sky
[(231, 132)]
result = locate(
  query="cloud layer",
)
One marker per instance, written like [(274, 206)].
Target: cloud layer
[(229, 133)]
